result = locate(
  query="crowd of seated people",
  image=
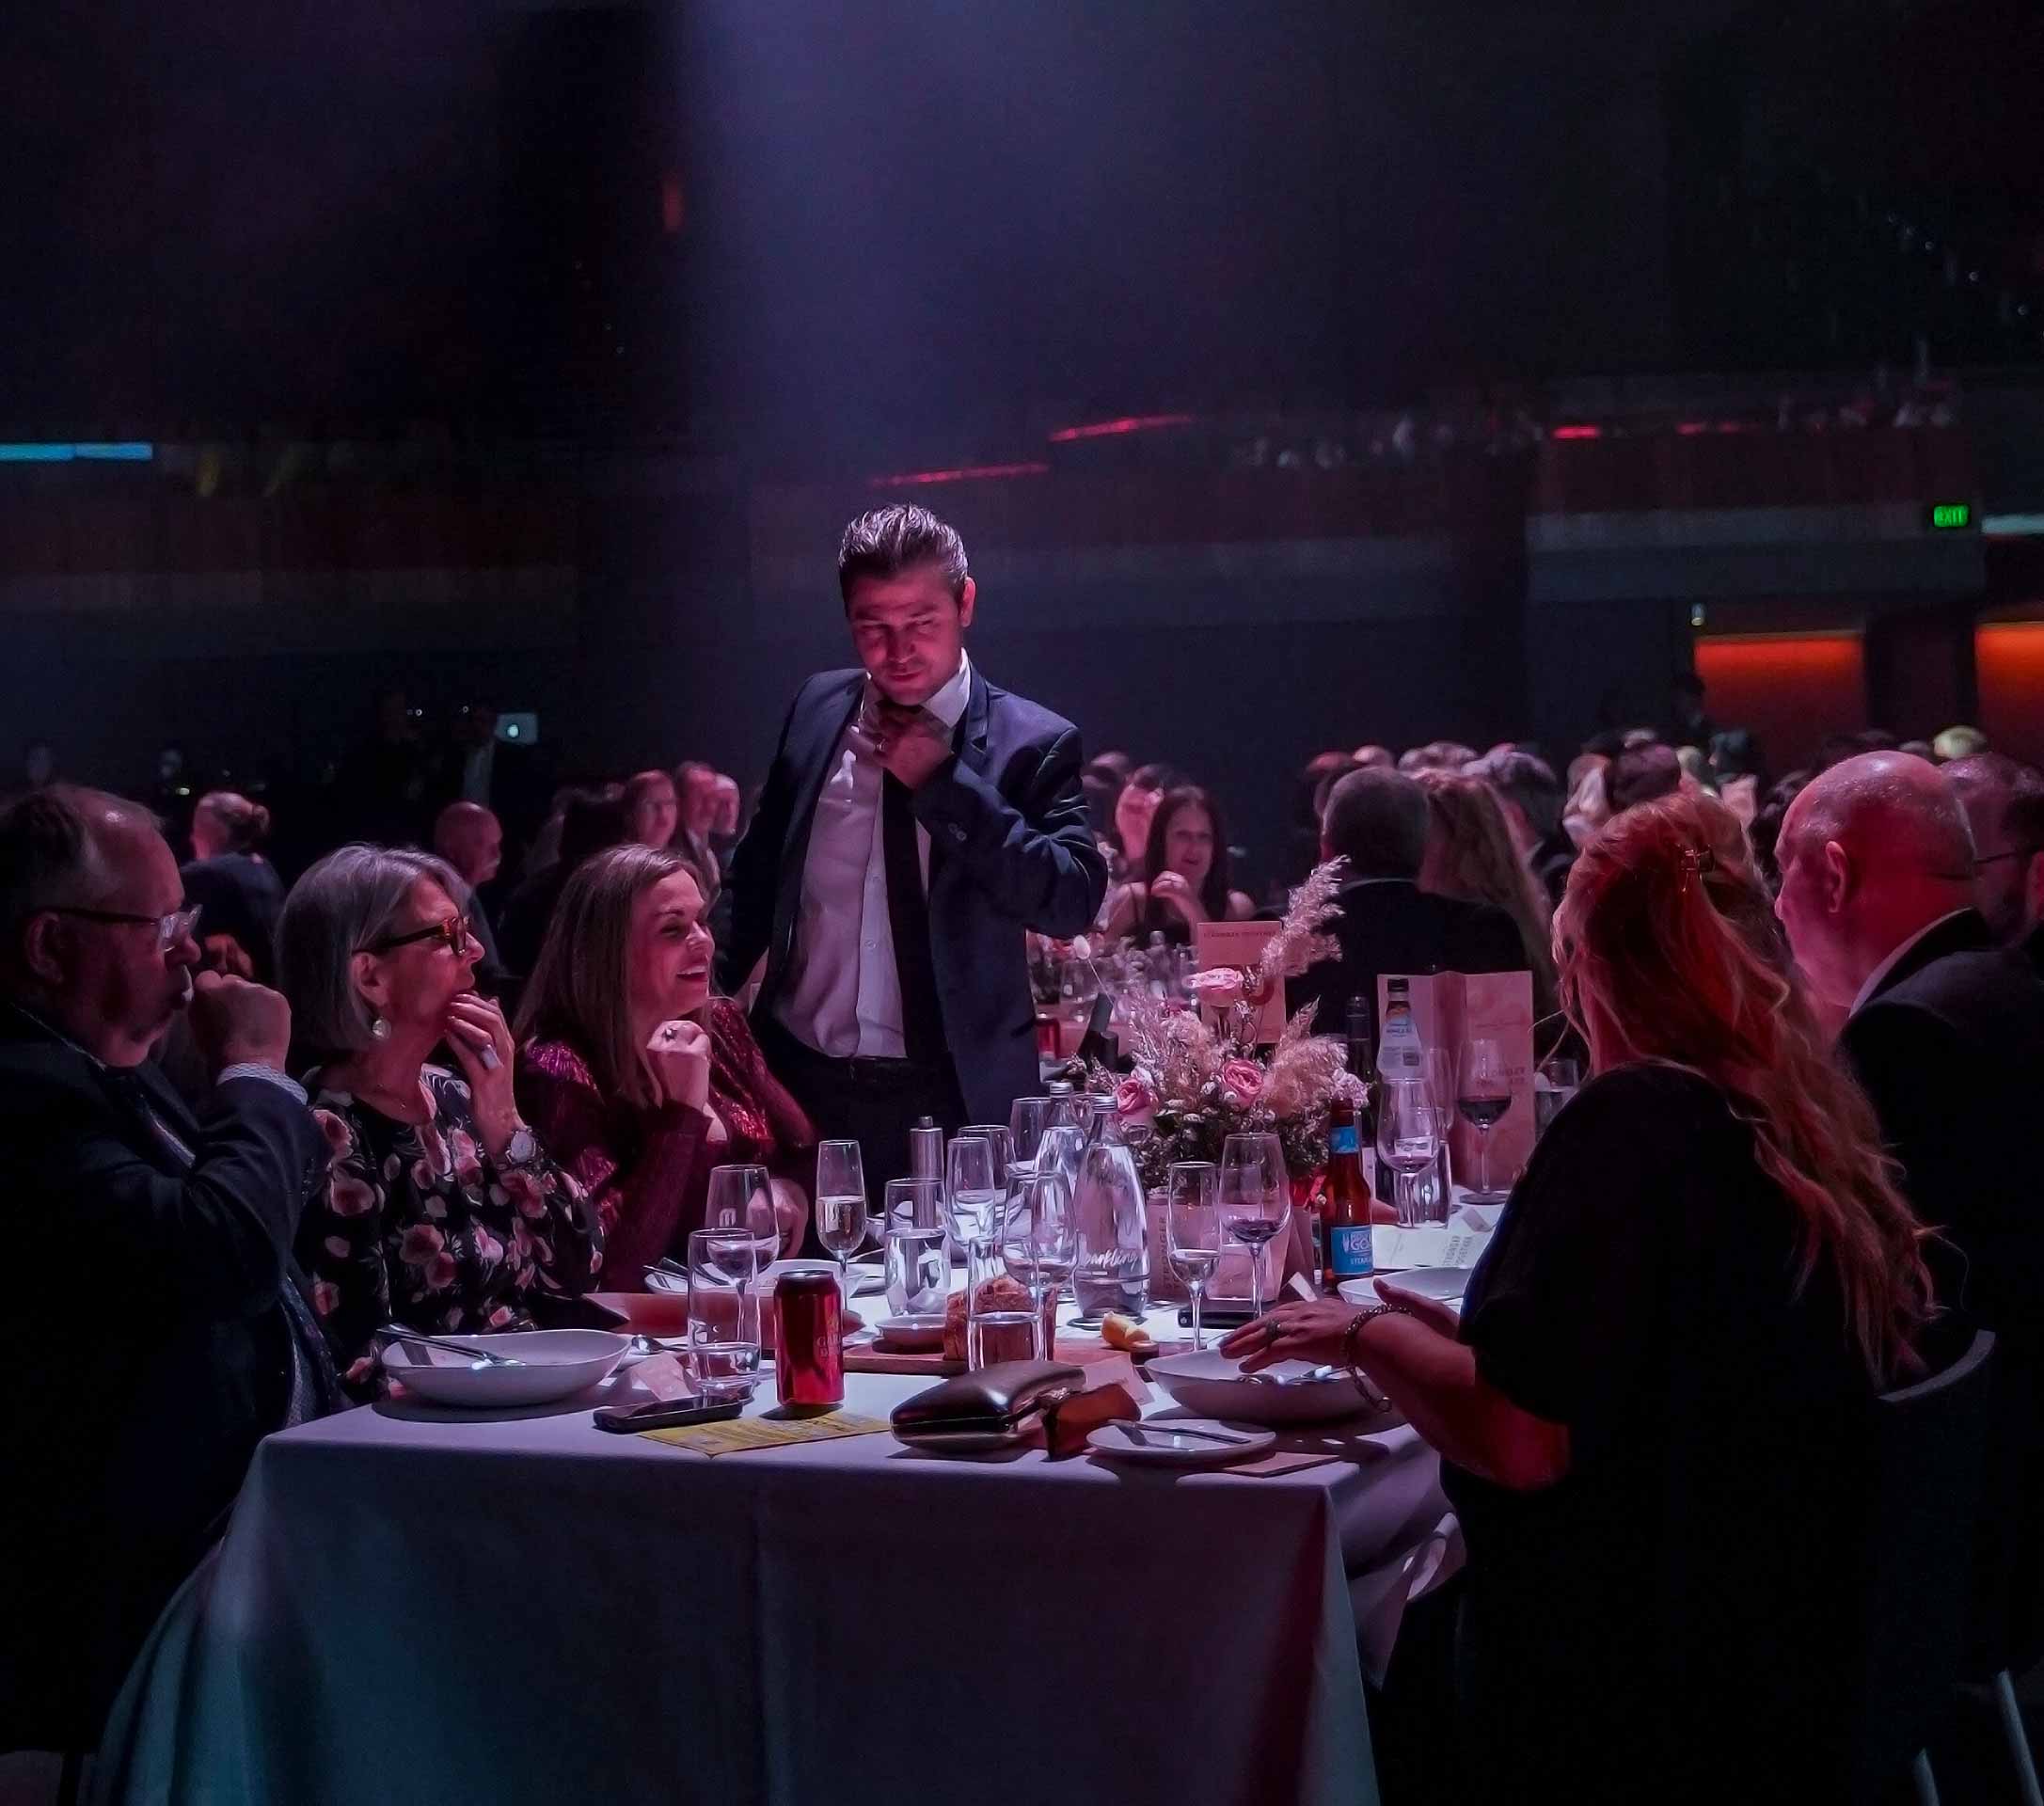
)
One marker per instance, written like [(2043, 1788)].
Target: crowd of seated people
[(406, 1096)]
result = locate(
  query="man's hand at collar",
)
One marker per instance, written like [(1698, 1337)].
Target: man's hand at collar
[(912, 744)]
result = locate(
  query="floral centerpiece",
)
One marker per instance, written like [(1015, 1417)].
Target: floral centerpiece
[(1198, 1081)]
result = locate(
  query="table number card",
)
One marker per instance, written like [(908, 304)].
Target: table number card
[(1241, 945)]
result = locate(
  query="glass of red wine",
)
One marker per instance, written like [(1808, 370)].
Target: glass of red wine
[(1483, 1095)]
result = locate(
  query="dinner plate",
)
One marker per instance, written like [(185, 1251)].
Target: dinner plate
[(1181, 1442), (553, 1364), (1446, 1285), (911, 1333), (1214, 1384)]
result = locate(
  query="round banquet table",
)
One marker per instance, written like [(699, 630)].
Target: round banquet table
[(418, 1604)]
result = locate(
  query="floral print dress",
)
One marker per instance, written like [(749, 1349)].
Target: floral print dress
[(418, 1225)]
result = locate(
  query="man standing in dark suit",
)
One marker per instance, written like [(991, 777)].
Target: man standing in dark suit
[(1945, 1032), (916, 822), (152, 1334), (1377, 821)]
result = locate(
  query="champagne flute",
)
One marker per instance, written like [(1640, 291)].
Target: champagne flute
[(1255, 1201), (1483, 1095), (1408, 1138), (996, 1137), (1193, 1230), (1040, 1243), (1027, 1118), (840, 1204)]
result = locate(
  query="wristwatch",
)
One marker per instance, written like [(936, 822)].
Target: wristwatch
[(522, 1148)]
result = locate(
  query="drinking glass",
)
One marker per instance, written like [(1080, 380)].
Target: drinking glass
[(1040, 1243), (992, 1333), (1484, 1094), (918, 1270), (1554, 1084), (996, 1137), (723, 1311), (1408, 1138), (914, 1204), (1027, 1118), (972, 1198), (1191, 1230), (840, 1204), (1255, 1201), (742, 1196), (1434, 1194)]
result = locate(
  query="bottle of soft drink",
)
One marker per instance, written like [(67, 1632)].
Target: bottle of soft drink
[(1345, 1207)]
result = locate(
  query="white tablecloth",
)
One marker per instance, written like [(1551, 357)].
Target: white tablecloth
[(415, 1606)]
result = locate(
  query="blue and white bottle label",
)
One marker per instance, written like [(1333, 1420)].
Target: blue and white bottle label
[(1353, 1256)]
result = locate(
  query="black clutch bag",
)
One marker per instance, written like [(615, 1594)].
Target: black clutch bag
[(986, 1409)]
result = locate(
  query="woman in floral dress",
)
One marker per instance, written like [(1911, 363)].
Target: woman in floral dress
[(441, 1210)]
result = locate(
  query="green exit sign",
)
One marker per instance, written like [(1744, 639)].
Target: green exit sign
[(1950, 515)]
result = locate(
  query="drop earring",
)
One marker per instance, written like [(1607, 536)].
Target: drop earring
[(379, 1029)]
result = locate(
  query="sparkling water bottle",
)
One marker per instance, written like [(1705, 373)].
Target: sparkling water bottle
[(1108, 1201)]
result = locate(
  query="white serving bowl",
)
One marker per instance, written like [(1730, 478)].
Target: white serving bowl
[(553, 1364), (1213, 1385)]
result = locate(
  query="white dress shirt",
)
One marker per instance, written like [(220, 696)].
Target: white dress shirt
[(1894, 959), (843, 995)]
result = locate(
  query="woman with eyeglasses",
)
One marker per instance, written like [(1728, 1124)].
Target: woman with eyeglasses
[(441, 1210)]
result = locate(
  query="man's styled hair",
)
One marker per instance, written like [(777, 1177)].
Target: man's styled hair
[(888, 541), (1377, 821)]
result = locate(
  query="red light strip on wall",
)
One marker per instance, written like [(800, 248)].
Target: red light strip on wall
[(964, 474), (1127, 423)]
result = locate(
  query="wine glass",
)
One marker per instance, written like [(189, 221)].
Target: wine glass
[(996, 1137), (1483, 1095), (840, 1204), (971, 1195), (1255, 1201), (1040, 1242), (742, 1196), (1191, 1227), (1027, 1118), (1408, 1138)]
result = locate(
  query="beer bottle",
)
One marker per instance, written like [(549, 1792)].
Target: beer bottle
[(1345, 1205)]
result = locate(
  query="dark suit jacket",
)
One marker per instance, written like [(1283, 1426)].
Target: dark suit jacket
[(146, 1350), (1950, 1048), (1011, 848), (1391, 925)]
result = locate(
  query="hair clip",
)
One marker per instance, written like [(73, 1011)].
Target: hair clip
[(1696, 861)]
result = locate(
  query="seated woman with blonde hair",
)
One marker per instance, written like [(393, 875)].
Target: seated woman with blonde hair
[(637, 1078), (1653, 1408)]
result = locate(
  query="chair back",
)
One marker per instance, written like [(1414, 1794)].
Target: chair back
[(1926, 1452)]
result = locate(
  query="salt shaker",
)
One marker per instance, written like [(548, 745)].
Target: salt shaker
[(808, 1346)]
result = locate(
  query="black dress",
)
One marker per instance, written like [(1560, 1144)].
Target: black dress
[(1671, 1620)]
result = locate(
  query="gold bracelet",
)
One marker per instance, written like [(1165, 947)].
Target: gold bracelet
[(1355, 1323)]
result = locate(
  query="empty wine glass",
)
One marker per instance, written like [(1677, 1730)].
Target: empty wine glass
[(996, 1137), (841, 1203), (1408, 1138), (971, 1195), (742, 1196), (1027, 1118), (1483, 1095), (1040, 1243), (1191, 1229), (1255, 1200)]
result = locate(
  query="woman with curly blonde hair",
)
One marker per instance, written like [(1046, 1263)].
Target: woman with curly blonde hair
[(1652, 1407)]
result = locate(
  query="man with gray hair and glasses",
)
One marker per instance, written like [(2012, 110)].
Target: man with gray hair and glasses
[(153, 1332)]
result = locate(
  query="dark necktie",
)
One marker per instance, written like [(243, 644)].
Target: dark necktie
[(908, 916)]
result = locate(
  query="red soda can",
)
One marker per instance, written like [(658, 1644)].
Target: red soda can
[(808, 1339)]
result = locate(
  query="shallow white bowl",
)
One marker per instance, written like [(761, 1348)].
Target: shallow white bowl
[(553, 1364), (1214, 1385)]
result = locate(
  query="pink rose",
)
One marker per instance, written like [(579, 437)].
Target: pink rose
[(1244, 1077), (440, 1273), (500, 1316), (1219, 985), (337, 1246), (351, 1196), (467, 1163), (1134, 1102), (488, 1249), (420, 1243), (339, 1137), (325, 1297)]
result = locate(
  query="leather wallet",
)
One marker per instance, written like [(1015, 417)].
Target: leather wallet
[(995, 1401)]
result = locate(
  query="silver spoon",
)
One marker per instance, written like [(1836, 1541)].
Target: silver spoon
[(1312, 1376), (478, 1356), (641, 1343)]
